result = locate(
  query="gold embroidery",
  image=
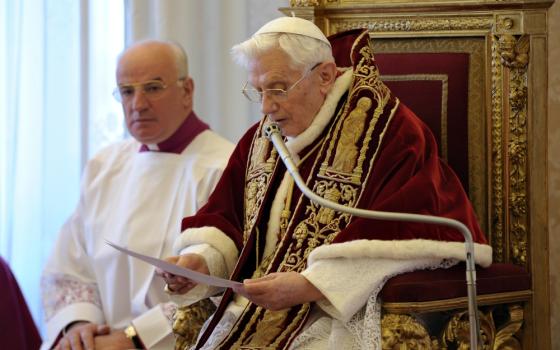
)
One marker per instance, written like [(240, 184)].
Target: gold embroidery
[(267, 329), (252, 190), (365, 81), (285, 217), (259, 171), (353, 127), (260, 149), (254, 195), (286, 213), (325, 215), (290, 330), (300, 234)]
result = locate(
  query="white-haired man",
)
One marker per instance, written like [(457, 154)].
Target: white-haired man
[(136, 193), (310, 274)]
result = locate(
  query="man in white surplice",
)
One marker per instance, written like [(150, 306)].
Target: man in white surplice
[(134, 193)]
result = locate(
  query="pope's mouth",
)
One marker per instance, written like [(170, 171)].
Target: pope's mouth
[(279, 121)]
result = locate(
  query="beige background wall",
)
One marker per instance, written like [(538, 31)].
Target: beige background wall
[(554, 168)]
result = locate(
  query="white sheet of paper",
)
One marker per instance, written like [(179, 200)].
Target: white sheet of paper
[(177, 270)]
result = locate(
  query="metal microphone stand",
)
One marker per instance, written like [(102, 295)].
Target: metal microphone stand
[(273, 133)]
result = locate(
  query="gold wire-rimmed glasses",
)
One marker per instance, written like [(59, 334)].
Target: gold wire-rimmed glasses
[(151, 89), (256, 96)]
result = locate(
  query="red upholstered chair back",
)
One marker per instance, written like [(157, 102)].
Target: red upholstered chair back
[(433, 85)]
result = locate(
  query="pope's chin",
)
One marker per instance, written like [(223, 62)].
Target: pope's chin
[(288, 132)]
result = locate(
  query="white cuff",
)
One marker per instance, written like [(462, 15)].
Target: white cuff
[(154, 329), (212, 236), (216, 266), (348, 283), (214, 260)]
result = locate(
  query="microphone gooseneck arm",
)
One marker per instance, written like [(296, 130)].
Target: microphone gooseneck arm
[(273, 133)]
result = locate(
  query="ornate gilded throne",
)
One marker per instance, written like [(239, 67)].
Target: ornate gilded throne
[(475, 72)]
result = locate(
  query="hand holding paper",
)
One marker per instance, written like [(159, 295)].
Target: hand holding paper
[(177, 270)]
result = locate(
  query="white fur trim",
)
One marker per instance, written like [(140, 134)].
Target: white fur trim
[(323, 117), (401, 250), (348, 283), (212, 236)]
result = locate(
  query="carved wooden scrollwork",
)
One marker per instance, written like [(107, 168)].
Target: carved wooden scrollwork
[(403, 332), (498, 215), (456, 331), (513, 52), (415, 24), (303, 3), (514, 56)]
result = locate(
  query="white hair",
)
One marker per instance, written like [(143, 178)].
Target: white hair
[(304, 51), (181, 60)]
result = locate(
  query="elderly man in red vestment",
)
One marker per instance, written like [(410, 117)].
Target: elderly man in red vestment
[(310, 274)]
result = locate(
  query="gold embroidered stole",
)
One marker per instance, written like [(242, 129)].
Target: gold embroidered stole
[(339, 173)]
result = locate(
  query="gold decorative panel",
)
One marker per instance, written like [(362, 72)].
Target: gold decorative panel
[(499, 326), (477, 156)]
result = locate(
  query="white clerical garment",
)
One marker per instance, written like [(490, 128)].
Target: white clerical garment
[(135, 199)]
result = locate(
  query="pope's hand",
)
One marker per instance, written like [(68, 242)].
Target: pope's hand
[(279, 290), (179, 284)]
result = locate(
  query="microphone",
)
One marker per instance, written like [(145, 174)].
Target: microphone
[(273, 133)]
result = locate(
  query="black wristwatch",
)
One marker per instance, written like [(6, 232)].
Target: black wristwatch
[(131, 334)]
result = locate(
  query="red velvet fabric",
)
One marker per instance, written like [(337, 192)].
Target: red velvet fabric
[(429, 285), (423, 96), (17, 329), (342, 45)]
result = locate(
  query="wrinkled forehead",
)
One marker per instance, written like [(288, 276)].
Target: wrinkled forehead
[(272, 65)]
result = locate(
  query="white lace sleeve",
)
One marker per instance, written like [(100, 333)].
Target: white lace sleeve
[(365, 326), (61, 290), (354, 284)]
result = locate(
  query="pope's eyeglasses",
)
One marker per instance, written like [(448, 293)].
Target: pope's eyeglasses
[(256, 96), (152, 90)]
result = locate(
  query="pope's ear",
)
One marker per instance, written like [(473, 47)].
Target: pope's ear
[(327, 75)]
